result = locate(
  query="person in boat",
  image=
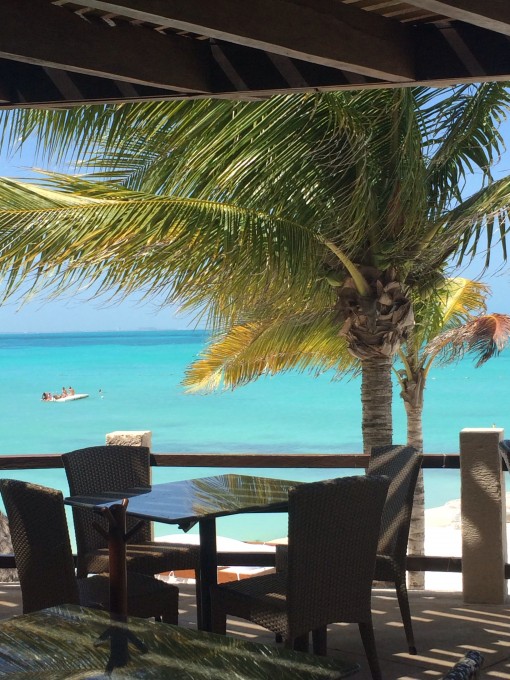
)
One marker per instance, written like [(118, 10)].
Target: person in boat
[(70, 391), (64, 393), (44, 396)]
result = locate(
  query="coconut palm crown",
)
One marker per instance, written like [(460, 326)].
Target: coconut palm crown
[(331, 209)]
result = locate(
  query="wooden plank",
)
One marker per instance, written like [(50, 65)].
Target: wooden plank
[(438, 461), (288, 460), (324, 32), (257, 559), (434, 563), (494, 15), (57, 38), (30, 85), (7, 561), (259, 460), (246, 559), (42, 461)]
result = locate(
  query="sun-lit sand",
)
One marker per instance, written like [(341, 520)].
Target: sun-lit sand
[(443, 538), (223, 544)]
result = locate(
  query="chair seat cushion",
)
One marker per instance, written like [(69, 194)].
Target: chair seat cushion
[(147, 596), (261, 599), (152, 557)]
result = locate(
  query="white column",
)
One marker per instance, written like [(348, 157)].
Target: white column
[(483, 506), (129, 438)]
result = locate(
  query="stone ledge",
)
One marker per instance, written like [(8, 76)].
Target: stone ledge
[(129, 438)]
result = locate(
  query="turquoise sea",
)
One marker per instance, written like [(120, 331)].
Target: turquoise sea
[(139, 375)]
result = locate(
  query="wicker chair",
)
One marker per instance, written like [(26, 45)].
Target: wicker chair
[(115, 468), (45, 562), (323, 584), (402, 465)]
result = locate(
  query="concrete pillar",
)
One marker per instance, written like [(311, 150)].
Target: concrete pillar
[(129, 438), (484, 550)]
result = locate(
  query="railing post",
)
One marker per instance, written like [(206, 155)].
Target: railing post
[(129, 438), (484, 549)]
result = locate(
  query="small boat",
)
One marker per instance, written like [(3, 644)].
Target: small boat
[(70, 397)]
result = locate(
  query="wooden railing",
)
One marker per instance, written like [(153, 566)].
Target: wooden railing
[(257, 460), (236, 460)]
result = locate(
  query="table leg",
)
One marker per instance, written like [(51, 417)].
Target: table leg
[(118, 637), (208, 569), (115, 515), (117, 559)]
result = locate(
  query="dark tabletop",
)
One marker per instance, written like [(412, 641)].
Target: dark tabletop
[(61, 643), (188, 501)]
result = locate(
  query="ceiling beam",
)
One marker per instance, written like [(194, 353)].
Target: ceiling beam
[(325, 32), (37, 32), (457, 52), (494, 15)]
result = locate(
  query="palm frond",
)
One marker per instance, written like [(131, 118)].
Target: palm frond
[(449, 306), (461, 131), (483, 215), (247, 351), (126, 240), (484, 337)]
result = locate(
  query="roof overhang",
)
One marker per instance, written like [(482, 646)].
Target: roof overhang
[(57, 53)]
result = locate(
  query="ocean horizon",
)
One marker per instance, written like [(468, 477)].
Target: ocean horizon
[(133, 379)]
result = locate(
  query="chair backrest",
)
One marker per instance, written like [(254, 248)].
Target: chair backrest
[(105, 468), (41, 545), (333, 532), (402, 465)]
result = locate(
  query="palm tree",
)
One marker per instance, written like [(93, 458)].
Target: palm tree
[(443, 320), (334, 207), (448, 325), (445, 330)]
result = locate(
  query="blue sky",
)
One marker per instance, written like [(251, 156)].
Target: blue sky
[(131, 314)]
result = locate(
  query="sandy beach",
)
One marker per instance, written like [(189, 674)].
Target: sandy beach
[(442, 538)]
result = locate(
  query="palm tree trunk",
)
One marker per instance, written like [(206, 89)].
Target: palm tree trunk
[(416, 579), (376, 394)]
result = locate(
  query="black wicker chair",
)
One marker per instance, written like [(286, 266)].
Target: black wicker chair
[(45, 564), (331, 558), (116, 468), (402, 465)]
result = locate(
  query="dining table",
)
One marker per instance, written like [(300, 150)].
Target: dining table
[(70, 642), (184, 503)]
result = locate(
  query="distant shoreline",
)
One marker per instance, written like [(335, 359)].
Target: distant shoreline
[(114, 330)]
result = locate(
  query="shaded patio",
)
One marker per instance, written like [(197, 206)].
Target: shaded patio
[(445, 629)]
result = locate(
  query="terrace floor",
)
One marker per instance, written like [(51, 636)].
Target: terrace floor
[(445, 628)]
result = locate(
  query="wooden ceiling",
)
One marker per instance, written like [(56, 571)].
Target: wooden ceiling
[(56, 53)]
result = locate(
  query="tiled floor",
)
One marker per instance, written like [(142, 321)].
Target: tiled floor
[(445, 628)]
